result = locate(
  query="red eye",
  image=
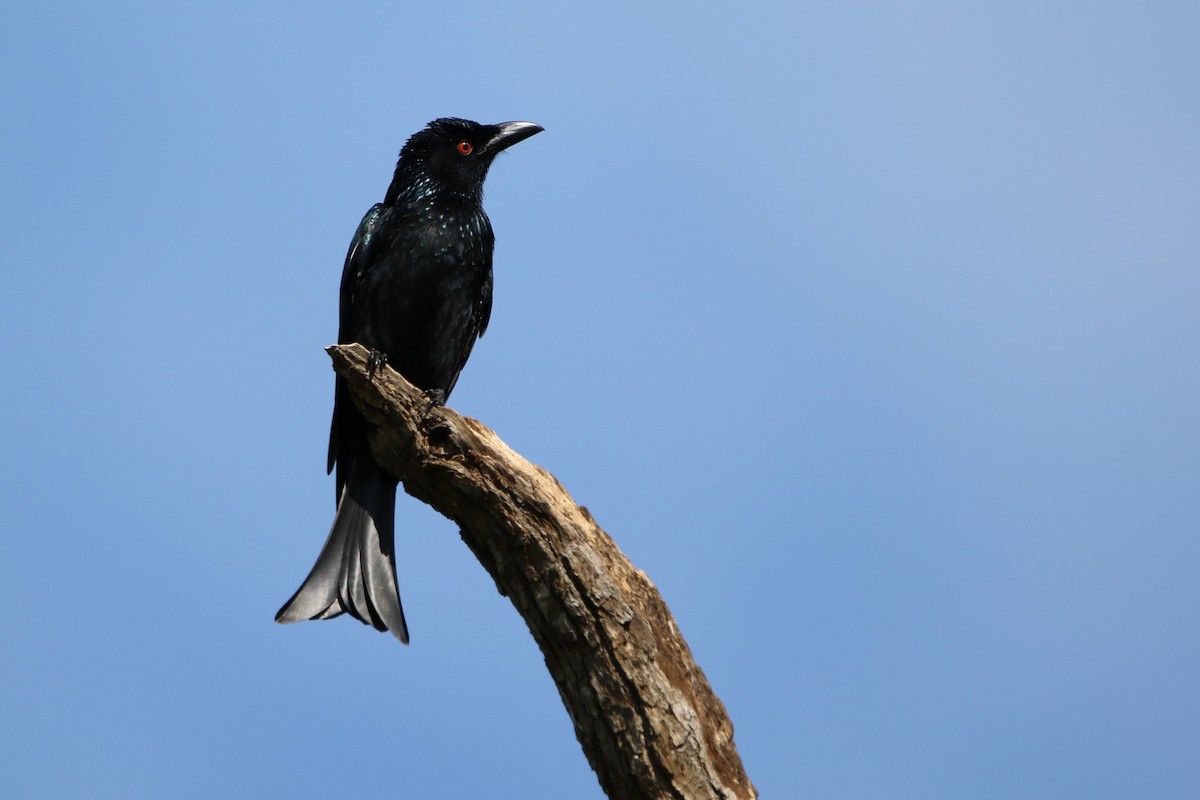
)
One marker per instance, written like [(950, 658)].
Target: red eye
[(465, 147)]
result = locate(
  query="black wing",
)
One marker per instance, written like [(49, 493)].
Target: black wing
[(358, 259), (481, 310)]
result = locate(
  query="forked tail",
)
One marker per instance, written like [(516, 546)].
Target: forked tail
[(356, 571)]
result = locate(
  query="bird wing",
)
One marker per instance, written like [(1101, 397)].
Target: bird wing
[(358, 257), (483, 308), (481, 313)]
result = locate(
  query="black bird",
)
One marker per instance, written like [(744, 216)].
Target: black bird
[(417, 291)]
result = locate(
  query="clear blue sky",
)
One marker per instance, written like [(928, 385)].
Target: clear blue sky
[(869, 330)]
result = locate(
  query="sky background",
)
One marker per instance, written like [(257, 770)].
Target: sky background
[(868, 330)]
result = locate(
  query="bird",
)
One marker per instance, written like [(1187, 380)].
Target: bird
[(416, 291)]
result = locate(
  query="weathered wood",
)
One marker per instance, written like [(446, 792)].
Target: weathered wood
[(647, 719)]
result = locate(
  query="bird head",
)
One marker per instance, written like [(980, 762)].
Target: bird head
[(454, 154)]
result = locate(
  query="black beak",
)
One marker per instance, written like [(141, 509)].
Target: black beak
[(509, 133)]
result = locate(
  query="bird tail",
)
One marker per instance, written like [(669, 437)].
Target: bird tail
[(356, 571)]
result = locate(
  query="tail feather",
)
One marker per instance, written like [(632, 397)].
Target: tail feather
[(356, 570)]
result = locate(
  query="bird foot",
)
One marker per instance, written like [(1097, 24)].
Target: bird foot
[(436, 397), (377, 360)]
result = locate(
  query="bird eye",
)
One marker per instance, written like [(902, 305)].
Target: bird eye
[(465, 147)]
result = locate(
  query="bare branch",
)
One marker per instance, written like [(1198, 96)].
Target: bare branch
[(648, 721)]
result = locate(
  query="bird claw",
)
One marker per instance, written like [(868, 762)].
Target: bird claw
[(377, 360), (436, 397)]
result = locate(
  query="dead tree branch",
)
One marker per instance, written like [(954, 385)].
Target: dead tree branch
[(648, 721)]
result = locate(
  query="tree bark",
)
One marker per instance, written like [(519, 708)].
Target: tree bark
[(649, 723)]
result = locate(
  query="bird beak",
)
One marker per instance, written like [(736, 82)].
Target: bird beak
[(509, 134)]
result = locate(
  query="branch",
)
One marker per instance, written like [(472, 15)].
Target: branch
[(644, 713)]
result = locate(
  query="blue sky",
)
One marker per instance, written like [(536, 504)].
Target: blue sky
[(869, 331)]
